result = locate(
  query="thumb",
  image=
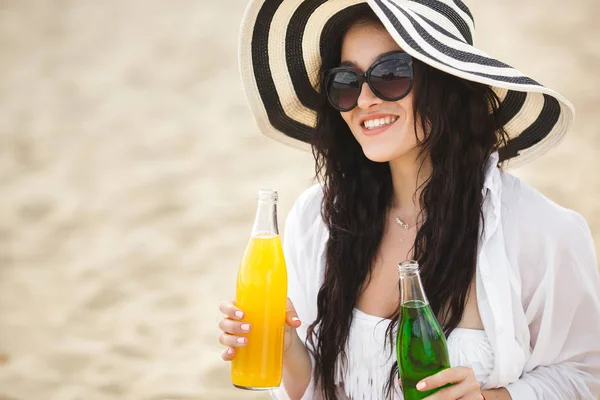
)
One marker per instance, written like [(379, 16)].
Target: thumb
[(291, 317)]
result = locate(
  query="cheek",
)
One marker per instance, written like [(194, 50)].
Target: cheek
[(406, 104), (408, 113), (347, 117)]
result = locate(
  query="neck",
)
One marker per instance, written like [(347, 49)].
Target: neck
[(408, 175)]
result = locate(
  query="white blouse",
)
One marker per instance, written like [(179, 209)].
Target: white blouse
[(537, 287)]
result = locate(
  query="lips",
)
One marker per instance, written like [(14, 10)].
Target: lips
[(377, 123)]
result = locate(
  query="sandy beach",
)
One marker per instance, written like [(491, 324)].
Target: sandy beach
[(129, 164)]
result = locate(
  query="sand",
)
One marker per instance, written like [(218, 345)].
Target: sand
[(129, 163)]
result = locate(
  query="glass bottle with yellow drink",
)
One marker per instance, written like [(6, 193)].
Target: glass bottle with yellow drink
[(261, 292)]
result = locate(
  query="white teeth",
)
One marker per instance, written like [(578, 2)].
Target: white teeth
[(376, 123)]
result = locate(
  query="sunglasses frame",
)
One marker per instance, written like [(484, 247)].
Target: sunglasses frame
[(366, 77)]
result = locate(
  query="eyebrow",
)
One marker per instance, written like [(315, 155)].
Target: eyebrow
[(352, 64)]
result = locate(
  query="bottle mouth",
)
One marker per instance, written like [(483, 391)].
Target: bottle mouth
[(268, 194), (408, 266)]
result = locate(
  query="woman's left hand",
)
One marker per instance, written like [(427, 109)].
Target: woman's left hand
[(464, 385)]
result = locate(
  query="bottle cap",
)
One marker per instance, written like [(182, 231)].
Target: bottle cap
[(408, 266), (268, 194)]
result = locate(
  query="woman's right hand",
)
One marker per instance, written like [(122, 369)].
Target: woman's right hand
[(235, 328)]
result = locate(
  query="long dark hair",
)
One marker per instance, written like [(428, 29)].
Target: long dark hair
[(462, 129)]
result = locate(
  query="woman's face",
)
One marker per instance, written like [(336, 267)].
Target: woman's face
[(362, 45)]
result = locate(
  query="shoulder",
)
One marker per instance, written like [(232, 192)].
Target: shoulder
[(304, 222), (540, 235), (308, 205), (526, 211), (304, 241)]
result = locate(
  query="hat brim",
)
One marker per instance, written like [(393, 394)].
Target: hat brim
[(280, 57)]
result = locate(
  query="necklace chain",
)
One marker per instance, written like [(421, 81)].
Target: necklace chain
[(405, 226)]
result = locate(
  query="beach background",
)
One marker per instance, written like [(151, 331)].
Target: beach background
[(129, 164)]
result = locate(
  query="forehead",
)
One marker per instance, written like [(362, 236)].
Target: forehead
[(364, 43)]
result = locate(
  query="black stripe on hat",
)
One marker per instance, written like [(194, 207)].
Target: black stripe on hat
[(533, 134), (452, 15), (294, 55), (510, 106), (450, 51), (440, 29), (466, 10), (537, 131), (521, 80), (264, 78)]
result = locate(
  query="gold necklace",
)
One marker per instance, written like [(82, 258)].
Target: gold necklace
[(405, 226)]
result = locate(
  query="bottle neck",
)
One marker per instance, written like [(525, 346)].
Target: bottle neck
[(411, 287), (265, 223)]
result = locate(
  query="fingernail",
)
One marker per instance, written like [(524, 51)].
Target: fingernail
[(245, 327), (421, 385), (230, 351), (241, 340), (239, 314), (295, 319)]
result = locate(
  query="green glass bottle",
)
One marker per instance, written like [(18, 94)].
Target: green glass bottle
[(421, 347)]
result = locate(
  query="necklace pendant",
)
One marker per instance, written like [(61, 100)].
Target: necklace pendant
[(401, 223)]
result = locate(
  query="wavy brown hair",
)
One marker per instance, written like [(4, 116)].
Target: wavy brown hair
[(462, 129)]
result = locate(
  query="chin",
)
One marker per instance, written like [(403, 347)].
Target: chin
[(386, 152), (379, 155), (387, 146)]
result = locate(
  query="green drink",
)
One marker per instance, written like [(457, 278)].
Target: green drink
[(421, 345)]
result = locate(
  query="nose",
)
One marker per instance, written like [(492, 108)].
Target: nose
[(367, 98)]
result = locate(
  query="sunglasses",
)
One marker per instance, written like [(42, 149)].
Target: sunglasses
[(390, 78)]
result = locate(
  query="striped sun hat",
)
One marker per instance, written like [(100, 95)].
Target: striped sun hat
[(280, 57)]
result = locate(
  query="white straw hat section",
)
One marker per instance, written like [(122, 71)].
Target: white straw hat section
[(554, 137), (279, 68), (248, 76), (436, 17)]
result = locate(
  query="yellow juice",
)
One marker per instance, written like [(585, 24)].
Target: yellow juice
[(261, 293)]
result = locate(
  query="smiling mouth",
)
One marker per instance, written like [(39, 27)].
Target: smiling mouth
[(371, 124)]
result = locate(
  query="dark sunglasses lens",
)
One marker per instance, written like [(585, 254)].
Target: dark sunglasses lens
[(343, 89), (391, 79)]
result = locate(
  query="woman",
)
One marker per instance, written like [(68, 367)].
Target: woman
[(409, 126)]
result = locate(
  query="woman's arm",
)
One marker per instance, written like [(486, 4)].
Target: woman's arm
[(297, 363), (297, 369), (497, 394), (562, 306), (461, 384)]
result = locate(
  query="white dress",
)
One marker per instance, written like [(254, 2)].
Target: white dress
[(537, 284), (369, 360)]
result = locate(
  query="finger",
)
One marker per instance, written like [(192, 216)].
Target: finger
[(228, 308), (228, 354), (230, 326), (449, 375), (477, 395), (232, 341), (465, 390), (291, 317), (474, 396)]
